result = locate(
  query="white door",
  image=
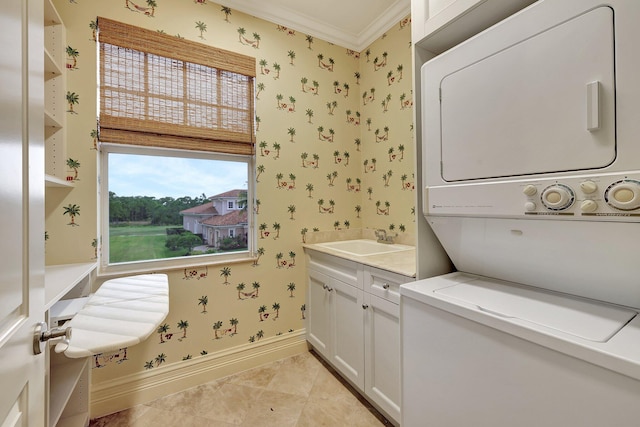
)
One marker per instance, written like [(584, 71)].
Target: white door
[(382, 353), (348, 333), (319, 313), (544, 104), (22, 396)]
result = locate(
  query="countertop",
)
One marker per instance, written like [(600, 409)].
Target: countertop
[(401, 262)]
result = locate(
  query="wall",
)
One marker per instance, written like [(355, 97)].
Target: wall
[(334, 151)]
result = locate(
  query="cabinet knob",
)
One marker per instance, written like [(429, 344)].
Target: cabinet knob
[(385, 286), (365, 306), (329, 289)]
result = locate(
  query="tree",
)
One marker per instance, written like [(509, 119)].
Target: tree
[(162, 329), (234, 322), (225, 272), (73, 164), (276, 307), (72, 99), (216, 327), (202, 27), (72, 211), (261, 310), (242, 200), (240, 288), (183, 324), (186, 240), (227, 12), (256, 286), (160, 359), (152, 4), (73, 54), (291, 287), (203, 301)]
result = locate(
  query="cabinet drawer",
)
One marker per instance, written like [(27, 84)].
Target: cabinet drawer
[(344, 270), (384, 284)]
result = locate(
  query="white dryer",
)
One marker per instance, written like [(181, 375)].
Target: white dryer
[(531, 134)]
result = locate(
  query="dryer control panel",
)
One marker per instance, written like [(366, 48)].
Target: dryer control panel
[(613, 197)]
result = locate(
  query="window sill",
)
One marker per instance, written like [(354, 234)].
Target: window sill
[(160, 266)]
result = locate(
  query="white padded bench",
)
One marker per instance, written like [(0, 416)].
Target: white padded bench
[(123, 312)]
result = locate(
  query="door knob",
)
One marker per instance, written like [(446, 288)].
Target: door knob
[(41, 335)]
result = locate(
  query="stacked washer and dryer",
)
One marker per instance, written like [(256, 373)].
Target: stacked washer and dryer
[(531, 136)]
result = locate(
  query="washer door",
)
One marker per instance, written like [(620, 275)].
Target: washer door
[(544, 104), (582, 318)]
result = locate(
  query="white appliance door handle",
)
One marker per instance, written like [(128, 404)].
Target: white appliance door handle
[(593, 106), (495, 313)]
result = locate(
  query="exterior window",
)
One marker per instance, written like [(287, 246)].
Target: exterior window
[(159, 206), (176, 132)]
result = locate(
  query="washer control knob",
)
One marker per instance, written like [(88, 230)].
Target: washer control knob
[(529, 206), (588, 187), (623, 195), (557, 197), (588, 206), (530, 190)]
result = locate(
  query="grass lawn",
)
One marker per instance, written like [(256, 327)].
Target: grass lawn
[(139, 242)]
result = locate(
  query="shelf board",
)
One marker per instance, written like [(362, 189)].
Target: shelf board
[(51, 67), (55, 182), (60, 279), (64, 378), (51, 16), (50, 120), (78, 420)]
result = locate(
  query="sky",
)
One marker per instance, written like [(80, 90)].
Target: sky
[(137, 175)]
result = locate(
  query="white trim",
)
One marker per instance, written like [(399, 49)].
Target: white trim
[(105, 269), (125, 392), (321, 29)]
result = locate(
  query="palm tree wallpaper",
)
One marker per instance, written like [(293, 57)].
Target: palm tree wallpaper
[(334, 151)]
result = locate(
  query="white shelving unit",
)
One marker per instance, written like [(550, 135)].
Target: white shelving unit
[(68, 379), (55, 94)]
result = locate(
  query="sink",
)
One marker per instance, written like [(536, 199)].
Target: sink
[(363, 247)]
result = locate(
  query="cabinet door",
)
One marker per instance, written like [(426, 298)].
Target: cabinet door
[(347, 323), (382, 353), (319, 313)]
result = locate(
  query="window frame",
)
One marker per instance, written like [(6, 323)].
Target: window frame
[(106, 268)]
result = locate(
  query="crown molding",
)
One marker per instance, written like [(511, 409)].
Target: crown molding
[(324, 30)]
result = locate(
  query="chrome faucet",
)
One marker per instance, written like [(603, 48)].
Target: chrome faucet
[(381, 234)]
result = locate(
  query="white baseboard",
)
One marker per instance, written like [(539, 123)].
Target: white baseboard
[(126, 392)]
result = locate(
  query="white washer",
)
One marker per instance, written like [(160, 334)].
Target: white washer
[(481, 352), (532, 185)]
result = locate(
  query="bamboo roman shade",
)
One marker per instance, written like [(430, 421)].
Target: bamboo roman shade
[(164, 91)]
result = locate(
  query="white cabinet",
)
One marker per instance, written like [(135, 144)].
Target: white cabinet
[(353, 322), (382, 338), (68, 380), (438, 25), (335, 317)]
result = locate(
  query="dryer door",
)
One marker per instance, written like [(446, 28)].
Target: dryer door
[(544, 104)]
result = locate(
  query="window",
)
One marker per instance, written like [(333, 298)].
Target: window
[(176, 132), (231, 232)]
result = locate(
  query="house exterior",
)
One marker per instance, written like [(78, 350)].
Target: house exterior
[(224, 216)]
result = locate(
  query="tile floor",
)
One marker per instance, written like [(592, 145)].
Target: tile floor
[(299, 391)]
